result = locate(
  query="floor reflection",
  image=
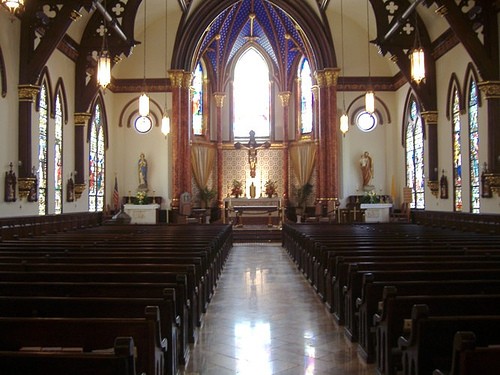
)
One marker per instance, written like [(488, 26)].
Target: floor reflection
[(265, 319)]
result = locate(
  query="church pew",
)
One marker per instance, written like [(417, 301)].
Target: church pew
[(470, 359), (428, 345), (396, 311), (58, 362), (176, 331), (373, 290), (89, 334), (127, 270), (347, 288)]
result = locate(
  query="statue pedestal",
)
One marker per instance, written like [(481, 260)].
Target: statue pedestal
[(143, 213)]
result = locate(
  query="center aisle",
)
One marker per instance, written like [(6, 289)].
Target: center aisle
[(266, 319)]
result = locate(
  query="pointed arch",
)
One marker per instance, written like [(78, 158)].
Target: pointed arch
[(3, 75), (61, 90), (413, 143), (58, 109), (305, 96), (455, 104), (453, 85), (473, 102), (43, 108)]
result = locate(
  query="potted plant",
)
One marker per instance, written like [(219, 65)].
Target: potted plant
[(206, 196), (303, 194), (270, 187)]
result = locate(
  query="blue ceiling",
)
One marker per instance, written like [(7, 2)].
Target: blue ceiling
[(273, 32)]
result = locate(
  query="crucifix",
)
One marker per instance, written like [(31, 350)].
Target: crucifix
[(252, 147)]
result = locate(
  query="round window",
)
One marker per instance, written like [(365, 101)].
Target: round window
[(143, 124), (366, 121)]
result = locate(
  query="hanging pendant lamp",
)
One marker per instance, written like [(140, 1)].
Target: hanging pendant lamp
[(144, 98)]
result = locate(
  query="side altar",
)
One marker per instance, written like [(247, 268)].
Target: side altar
[(240, 211), (143, 213)]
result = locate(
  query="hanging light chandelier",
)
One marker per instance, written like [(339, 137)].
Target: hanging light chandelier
[(370, 95), (165, 121), (144, 98), (417, 57), (344, 119), (104, 59), (13, 5)]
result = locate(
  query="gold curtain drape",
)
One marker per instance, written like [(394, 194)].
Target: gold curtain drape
[(202, 160), (302, 157)]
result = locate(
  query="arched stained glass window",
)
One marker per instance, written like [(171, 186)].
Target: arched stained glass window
[(96, 161), (306, 97), (251, 97), (474, 148), (457, 153), (197, 101), (414, 145), (43, 121), (58, 156)]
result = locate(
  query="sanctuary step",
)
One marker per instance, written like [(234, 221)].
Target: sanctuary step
[(256, 233)]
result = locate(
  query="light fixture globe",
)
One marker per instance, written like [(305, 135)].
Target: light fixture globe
[(165, 124), (370, 101), (417, 63), (344, 123), (144, 105), (13, 5), (104, 69)]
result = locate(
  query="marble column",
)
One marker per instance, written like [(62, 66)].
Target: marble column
[(219, 103), (285, 103)]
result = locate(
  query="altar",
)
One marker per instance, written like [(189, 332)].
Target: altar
[(143, 213), (240, 211), (376, 212)]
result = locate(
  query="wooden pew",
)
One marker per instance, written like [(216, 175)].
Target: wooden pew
[(428, 345), (396, 312), (372, 294), (470, 359), (89, 334), (61, 362)]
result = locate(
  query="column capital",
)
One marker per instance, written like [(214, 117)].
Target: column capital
[(430, 117), (327, 77), (187, 80), (490, 89), (28, 93), (176, 78), (285, 98), (219, 99), (81, 118)]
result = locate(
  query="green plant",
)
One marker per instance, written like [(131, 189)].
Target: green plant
[(206, 195), (303, 194)]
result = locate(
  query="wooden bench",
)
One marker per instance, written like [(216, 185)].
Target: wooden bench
[(63, 362), (470, 359), (89, 334), (428, 345), (396, 312)]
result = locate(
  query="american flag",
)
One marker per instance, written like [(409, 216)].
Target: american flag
[(116, 196)]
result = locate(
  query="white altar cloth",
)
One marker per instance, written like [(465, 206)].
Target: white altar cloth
[(142, 213), (376, 212)]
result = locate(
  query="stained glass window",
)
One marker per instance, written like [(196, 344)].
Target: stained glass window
[(197, 100), (251, 97), (414, 145), (457, 153), (58, 157), (43, 149), (306, 97), (474, 149), (96, 161)]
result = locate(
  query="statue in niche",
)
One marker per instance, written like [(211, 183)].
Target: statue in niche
[(366, 164), (142, 166)]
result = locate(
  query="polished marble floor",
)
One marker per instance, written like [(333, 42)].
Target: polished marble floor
[(266, 319)]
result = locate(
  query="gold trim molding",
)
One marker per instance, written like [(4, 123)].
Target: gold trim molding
[(430, 117), (25, 185), (490, 89), (81, 118), (285, 98), (434, 187), (28, 93), (176, 78), (219, 99), (79, 189)]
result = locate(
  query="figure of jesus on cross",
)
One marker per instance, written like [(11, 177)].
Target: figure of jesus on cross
[(252, 147)]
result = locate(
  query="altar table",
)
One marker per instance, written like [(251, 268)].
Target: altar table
[(255, 210), (376, 212), (143, 213)]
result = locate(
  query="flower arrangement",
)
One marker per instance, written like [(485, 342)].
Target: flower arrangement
[(237, 189), (270, 188), (140, 197), (370, 197)]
